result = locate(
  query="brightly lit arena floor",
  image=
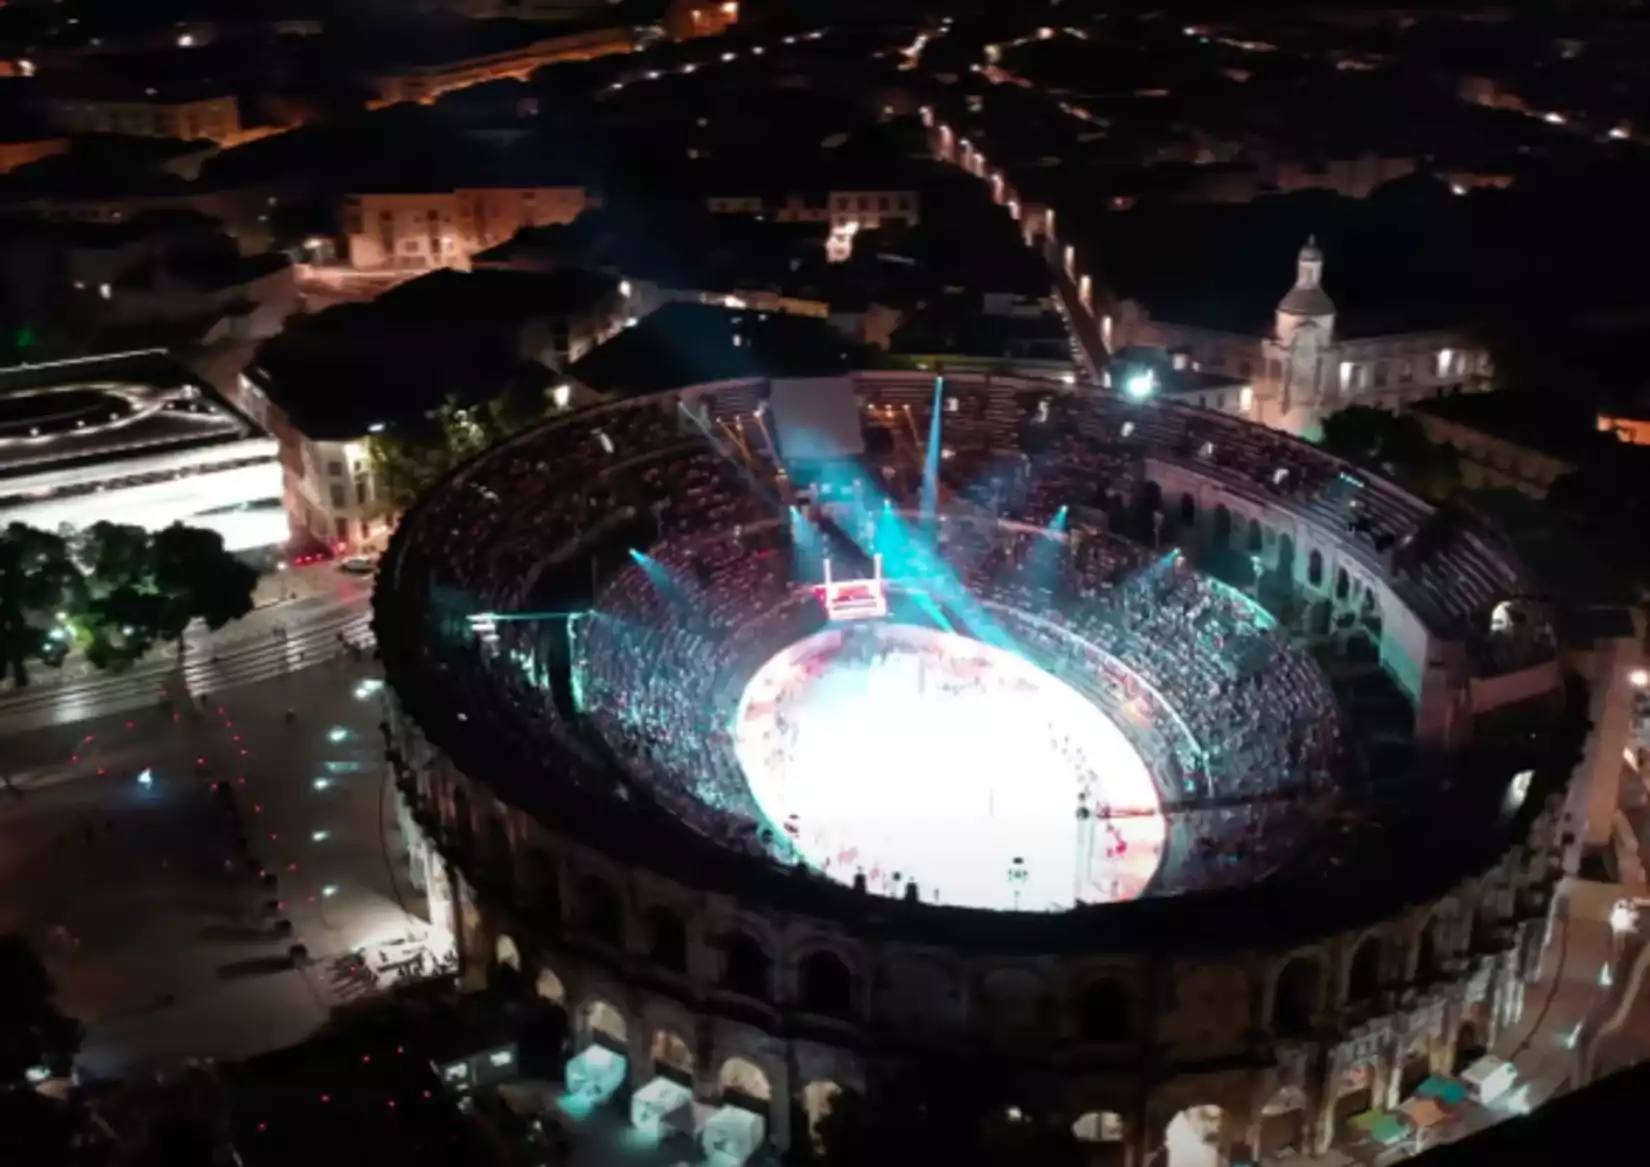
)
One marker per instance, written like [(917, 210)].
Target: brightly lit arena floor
[(908, 754)]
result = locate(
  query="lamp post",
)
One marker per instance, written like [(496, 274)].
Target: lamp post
[(1017, 877)]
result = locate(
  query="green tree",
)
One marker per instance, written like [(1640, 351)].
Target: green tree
[(198, 579), (38, 579), (1395, 444), (142, 589)]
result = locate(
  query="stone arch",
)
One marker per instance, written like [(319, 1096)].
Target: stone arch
[(1427, 967), (1256, 537), (1343, 583), (1469, 1045), (1286, 556), (506, 954), (463, 824), (1188, 509), (1297, 996), (543, 880), (1314, 568), (598, 909), (667, 943), (1220, 527), (743, 1081), (1098, 1126), (1105, 1011), (825, 984), (602, 1020), (1195, 1137), (817, 1099), (746, 968), (547, 986), (497, 843), (1363, 973), (672, 1056)]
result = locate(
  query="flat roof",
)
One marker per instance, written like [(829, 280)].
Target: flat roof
[(688, 344), (87, 412)]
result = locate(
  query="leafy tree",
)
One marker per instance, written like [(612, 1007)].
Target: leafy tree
[(1396, 445), (38, 578), (412, 458), (198, 579)]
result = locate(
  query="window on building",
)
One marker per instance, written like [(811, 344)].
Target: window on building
[(341, 526), (1406, 373), (1380, 374), (335, 469), (865, 202), (338, 502), (882, 203)]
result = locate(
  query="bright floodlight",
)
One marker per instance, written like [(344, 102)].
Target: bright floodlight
[(1624, 917), (1141, 385), (146, 778), (1638, 678)]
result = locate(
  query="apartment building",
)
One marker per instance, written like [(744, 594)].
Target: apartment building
[(389, 231), (149, 114)]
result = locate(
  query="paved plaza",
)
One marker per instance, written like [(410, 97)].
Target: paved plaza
[(158, 932)]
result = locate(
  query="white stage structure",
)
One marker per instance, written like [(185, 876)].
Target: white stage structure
[(732, 1135), (661, 1108), (595, 1074)]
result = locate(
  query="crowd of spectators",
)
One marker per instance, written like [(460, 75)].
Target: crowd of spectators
[(1238, 723)]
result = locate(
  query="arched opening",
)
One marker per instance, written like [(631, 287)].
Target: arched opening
[(1343, 583), (1220, 529), (1105, 1011), (824, 984), (1426, 956), (1257, 538), (745, 966), (598, 908), (1314, 568), (1193, 1137), (463, 825), (506, 954), (543, 882), (1295, 999), (1469, 1046), (1363, 980), (744, 1084), (817, 1100), (547, 986), (1098, 1126), (666, 939), (1286, 557), (672, 1057), (602, 1022), (498, 843), (1188, 510)]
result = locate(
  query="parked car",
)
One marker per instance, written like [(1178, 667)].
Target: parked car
[(358, 564)]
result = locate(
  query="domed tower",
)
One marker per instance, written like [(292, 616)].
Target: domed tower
[(1307, 303)]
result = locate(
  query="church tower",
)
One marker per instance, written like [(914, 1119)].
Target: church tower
[(1307, 304)]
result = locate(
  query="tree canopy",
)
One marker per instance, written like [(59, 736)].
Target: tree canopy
[(113, 591), (411, 458), (1395, 444)]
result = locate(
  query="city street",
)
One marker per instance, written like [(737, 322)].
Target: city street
[(302, 615), (155, 924)]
